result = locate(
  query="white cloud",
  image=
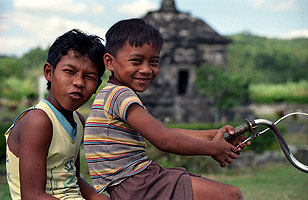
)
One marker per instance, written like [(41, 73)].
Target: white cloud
[(295, 34), (15, 45), (67, 7), (39, 22), (4, 26), (40, 31), (97, 8), (275, 5), (137, 7), (45, 29)]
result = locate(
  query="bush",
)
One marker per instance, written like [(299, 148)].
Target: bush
[(266, 141), (16, 89), (224, 91)]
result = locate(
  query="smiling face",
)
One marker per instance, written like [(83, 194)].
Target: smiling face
[(73, 81), (134, 67)]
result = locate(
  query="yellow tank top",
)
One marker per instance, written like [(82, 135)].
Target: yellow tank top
[(64, 148)]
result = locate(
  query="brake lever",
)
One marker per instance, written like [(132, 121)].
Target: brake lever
[(250, 126), (254, 132)]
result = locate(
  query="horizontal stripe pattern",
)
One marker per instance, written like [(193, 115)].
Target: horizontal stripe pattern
[(113, 150)]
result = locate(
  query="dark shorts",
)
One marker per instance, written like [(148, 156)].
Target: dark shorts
[(155, 183)]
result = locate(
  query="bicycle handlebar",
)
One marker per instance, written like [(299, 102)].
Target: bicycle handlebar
[(252, 126), (239, 130)]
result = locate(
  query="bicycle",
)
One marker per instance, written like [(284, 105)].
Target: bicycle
[(253, 125)]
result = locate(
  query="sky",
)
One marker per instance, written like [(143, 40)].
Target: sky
[(28, 24)]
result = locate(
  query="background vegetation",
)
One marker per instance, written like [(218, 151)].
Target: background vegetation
[(263, 60)]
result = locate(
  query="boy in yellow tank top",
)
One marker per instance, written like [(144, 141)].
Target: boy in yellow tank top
[(43, 143)]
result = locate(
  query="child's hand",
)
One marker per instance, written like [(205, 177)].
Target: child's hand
[(225, 152), (237, 141)]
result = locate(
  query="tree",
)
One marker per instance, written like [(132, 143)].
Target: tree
[(224, 91), (18, 76), (34, 59), (265, 60)]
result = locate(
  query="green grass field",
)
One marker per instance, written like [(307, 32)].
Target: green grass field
[(286, 92), (271, 182)]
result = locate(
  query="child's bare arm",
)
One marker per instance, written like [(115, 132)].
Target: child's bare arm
[(169, 141), (210, 134), (87, 191), (35, 134), (199, 134)]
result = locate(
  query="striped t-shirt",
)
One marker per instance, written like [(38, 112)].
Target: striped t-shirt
[(114, 151)]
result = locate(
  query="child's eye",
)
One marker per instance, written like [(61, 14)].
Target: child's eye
[(90, 77), (136, 60), (69, 71), (155, 62)]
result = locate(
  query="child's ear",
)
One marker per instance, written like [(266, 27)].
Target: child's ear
[(108, 60), (48, 70)]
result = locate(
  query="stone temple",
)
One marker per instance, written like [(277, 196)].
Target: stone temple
[(188, 43)]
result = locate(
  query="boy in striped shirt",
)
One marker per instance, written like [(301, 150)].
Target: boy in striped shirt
[(119, 123)]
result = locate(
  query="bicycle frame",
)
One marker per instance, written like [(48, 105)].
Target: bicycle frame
[(252, 127)]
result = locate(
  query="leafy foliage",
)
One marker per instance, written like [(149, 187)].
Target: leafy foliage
[(18, 76), (34, 59), (263, 60), (15, 89), (222, 89), (10, 66)]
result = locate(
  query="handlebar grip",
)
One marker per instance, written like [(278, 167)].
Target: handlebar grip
[(239, 130)]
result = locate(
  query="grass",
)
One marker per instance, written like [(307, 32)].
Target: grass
[(286, 92), (271, 182), (4, 189)]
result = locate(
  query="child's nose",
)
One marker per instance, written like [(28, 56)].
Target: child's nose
[(79, 81), (146, 69)]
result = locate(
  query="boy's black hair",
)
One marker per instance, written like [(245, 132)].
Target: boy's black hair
[(136, 31), (84, 44)]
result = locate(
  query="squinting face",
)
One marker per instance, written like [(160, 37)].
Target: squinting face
[(134, 67), (73, 81)]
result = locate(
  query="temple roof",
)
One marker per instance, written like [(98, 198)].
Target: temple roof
[(168, 6), (180, 26)]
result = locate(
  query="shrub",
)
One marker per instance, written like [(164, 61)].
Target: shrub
[(16, 89), (223, 90)]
